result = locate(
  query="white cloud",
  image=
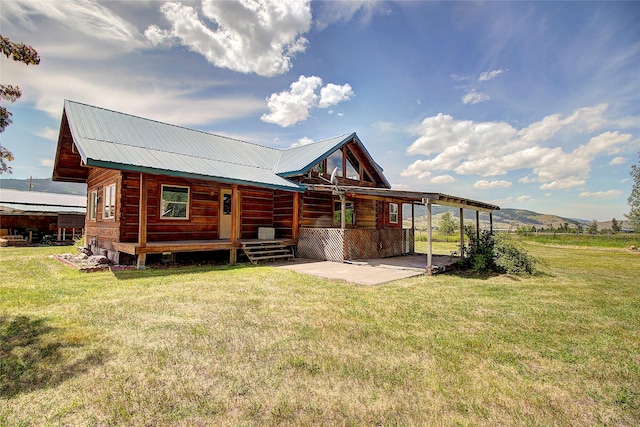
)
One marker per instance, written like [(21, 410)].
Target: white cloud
[(526, 180), (302, 141), (483, 184), (85, 16), (400, 186), (490, 75), (333, 94), (618, 161), (495, 148), (46, 163), (460, 77), (290, 107), (602, 194), (48, 133), (332, 12), (474, 97), (257, 37), (524, 198), (442, 179)]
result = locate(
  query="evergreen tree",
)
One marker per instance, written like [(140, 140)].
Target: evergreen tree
[(447, 225), (615, 226)]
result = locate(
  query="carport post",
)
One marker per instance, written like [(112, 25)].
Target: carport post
[(462, 233), (429, 239)]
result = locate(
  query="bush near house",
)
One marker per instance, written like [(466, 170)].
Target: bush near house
[(499, 252)]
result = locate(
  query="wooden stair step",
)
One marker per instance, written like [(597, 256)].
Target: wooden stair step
[(258, 258), (278, 251)]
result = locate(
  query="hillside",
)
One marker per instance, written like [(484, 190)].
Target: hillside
[(44, 185), (504, 219)]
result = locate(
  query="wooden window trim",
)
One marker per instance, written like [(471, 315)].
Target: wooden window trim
[(188, 203), (336, 221), (105, 202)]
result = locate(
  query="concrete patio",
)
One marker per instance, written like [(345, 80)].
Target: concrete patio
[(370, 271)]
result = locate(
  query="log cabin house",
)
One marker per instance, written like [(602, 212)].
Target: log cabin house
[(158, 188)]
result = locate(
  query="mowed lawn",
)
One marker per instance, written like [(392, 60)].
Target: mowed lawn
[(257, 345)]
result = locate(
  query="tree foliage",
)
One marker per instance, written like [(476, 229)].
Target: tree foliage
[(615, 226), (22, 53), (593, 227), (634, 198), (447, 225)]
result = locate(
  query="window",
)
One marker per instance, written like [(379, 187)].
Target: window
[(175, 202), (319, 167), (109, 210), (226, 204), (335, 161), (393, 213), (350, 213), (92, 205), (353, 166)]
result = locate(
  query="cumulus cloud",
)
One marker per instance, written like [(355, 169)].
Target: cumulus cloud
[(290, 107), (46, 163), (442, 179), (474, 97), (258, 37), (495, 148), (490, 75), (524, 198), (483, 184), (602, 194), (618, 161)]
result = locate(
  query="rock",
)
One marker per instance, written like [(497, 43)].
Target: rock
[(98, 259)]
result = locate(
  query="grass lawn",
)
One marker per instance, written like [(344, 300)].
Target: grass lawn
[(256, 345)]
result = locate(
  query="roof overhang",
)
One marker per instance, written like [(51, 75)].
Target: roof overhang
[(409, 197)]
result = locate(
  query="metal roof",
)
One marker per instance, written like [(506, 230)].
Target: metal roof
[(116, 140), (35, 201), (298, 159)]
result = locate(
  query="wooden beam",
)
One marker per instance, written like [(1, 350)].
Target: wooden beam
[(478, 225), (491, 222), (142, 221), (296, 216), (235, 222)]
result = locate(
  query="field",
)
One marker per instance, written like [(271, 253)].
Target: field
[(256, 345)]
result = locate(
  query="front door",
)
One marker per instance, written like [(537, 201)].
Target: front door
[(225, 215)]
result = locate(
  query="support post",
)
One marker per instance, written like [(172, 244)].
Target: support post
[(142, 222), (413, 229), (430, 241), (491, 222), (235, 223), (343, 211), (478, 225), (296, 216), (462, 233)]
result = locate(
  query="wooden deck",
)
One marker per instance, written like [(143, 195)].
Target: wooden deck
[(192, 245)]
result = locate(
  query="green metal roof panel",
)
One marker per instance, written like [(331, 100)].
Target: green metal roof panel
[(122, 141)]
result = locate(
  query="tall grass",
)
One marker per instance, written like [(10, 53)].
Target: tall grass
[(249, 345)]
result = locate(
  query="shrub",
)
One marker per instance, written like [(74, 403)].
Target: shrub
[(510, 257), (502, 253)]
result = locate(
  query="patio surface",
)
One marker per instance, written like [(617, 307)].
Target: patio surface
[(369, 271)]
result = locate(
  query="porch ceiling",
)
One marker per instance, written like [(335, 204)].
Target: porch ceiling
[(410, 197)]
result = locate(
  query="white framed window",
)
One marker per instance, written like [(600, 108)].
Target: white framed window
[(175, 202), (393, 213), (109, 210), (350, 213), (92, 205)]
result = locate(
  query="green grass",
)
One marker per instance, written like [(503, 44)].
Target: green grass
[(618, 240), (250, 345)]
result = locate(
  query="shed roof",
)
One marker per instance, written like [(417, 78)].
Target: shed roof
[(35, 201)]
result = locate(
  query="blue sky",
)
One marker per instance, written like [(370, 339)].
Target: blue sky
[(531, 105)]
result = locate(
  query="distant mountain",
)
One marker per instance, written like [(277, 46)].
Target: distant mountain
[(504, 219), (44, 185)]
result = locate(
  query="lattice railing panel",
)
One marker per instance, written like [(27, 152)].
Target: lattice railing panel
[(321, 243)]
